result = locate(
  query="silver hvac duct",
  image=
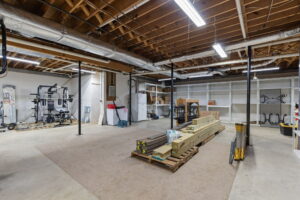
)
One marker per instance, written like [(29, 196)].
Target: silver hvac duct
[(229, 62), (278, 36), (31, 25), (232, 68)]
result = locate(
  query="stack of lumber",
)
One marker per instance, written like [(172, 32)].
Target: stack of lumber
[(216, 114), (163, 152), (200, 130), (147, 145), (182, 144)]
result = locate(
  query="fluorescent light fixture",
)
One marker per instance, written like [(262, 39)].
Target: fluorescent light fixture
[(21, 60), (83, 70), (200, 75), (191, 12), (166, 79), (263, 69), (220, 50)]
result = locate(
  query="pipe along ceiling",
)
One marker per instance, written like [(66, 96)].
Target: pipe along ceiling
[(34, 26)]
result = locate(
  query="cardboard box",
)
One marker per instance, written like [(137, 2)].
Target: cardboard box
[(159, 89), (212, 102), (152, 88), (167, 99), (168, 89)]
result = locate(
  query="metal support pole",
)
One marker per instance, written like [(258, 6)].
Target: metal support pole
[(172, 88), (298, 92), (248, 94), (79, 98), (130, 85)]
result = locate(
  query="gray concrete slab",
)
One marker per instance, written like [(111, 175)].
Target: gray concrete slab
[(58, 164), (271, 171)]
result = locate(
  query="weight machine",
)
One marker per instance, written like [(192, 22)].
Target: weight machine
[(51, 104), (8, 114), (186, 110)]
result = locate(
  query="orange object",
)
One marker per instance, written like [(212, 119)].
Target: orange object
[(211, 102)]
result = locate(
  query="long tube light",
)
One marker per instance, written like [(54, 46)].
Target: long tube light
[(200, 76), (191, 12), (220, 50), (262, 70), (83, 70), (166, 79), (22, 60)]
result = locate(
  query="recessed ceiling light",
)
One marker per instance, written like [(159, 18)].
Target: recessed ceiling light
[(191, 12)]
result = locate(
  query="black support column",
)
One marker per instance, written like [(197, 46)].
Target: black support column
[(172, 97), (248, 94), (130, 93), (79, 98), (298, 89)]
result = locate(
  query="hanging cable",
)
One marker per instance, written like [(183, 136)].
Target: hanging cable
[(4, 60)]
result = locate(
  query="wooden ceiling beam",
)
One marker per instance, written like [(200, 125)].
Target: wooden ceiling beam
[(191, 36), (14, 54), (133, 35), (97, 6), (47, 10), (117, 7), (114, 65), (140, 12), (170, 28), (73, 6), (196, 39), (181, 17), (194, 35), (251, 35)]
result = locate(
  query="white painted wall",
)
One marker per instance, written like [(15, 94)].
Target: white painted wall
[(122, 89), (25, 84), (91, 95)]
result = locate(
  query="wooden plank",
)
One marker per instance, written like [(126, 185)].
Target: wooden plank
[(170, 163), (112, 65)]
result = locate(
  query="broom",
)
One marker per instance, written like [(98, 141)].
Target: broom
[(121, 123)]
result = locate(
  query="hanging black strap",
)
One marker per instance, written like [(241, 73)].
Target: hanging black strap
[(4, 61)]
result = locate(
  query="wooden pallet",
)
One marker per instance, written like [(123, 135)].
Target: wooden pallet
[(170, 163)]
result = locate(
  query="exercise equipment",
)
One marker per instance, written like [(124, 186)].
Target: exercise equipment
[(52, 104), (186, 110), (8, 107), (273, 100)]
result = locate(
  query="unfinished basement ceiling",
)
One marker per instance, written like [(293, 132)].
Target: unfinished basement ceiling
[(158, 29)]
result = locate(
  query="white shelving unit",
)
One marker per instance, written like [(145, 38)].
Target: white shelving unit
[(231, 97), (158, 109)]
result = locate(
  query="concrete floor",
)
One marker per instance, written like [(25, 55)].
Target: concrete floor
[(58, 164), (271, 170)]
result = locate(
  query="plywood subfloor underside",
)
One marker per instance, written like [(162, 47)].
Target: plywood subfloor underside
[(57, 164)]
